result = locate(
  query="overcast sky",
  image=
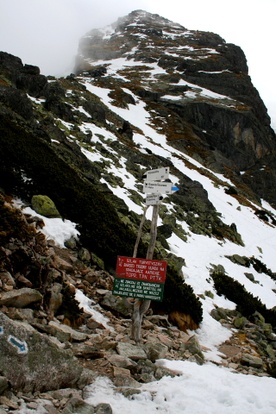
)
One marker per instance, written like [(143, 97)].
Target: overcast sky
[(46, 32)]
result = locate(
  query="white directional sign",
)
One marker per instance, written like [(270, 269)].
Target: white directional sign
[(157, 175), (153, 199), (159, 187)]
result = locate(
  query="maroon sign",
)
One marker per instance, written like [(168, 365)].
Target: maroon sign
[(140, 278), (144, 270)]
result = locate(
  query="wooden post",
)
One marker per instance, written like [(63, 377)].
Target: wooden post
[(140, 232), (141, 306)]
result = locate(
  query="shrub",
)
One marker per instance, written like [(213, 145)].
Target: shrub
[(246, 303), (178, 296)]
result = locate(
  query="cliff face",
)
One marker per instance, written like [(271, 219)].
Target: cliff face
[(197, 88)]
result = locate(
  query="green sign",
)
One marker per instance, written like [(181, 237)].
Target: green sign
[(138, 289)]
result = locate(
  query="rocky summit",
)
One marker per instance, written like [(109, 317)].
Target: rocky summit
[(196, 88), (146, 94)]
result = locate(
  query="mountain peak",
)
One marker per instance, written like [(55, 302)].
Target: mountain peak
[(143, 18), (189, 78), (144, 31)]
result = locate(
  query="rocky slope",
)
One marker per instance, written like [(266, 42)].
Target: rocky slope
[(147, 93), (52, 347)]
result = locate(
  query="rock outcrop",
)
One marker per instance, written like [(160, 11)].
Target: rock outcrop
[(203, 98)]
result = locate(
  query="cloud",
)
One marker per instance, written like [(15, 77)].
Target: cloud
[(47, 33)]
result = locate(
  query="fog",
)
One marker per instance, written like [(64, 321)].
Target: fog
[(46, 33)]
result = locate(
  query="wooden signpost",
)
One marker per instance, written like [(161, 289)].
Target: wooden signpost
[(143, 279)]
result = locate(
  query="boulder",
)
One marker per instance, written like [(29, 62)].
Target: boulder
[(65, 333), (43, 205), (133, 352), (156, 350), (31, 362), (20, 298), (78, 406)]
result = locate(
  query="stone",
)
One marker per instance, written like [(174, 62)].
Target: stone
[(78, 406), (8, 282), (239, 322), (56, 297), (123, 378), (63, 264), (8, 402), (21, 314), (65, 333), (84, 255), (103, 408), (31, 362), (65, 393), (43, 205), (116, 303), (87, 351), (158, 320), (161, 372), (121, 361), (20, 298), (251, 361), (193, 346), (3, 384), (156, 350), (92, 324), (133, 352)]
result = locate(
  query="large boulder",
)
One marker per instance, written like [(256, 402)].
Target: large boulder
[(43, 205), (32, 362)]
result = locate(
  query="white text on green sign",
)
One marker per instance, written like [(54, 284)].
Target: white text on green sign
[(138, 289)]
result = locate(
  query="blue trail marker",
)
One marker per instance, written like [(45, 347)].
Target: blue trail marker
[(22, 347)]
